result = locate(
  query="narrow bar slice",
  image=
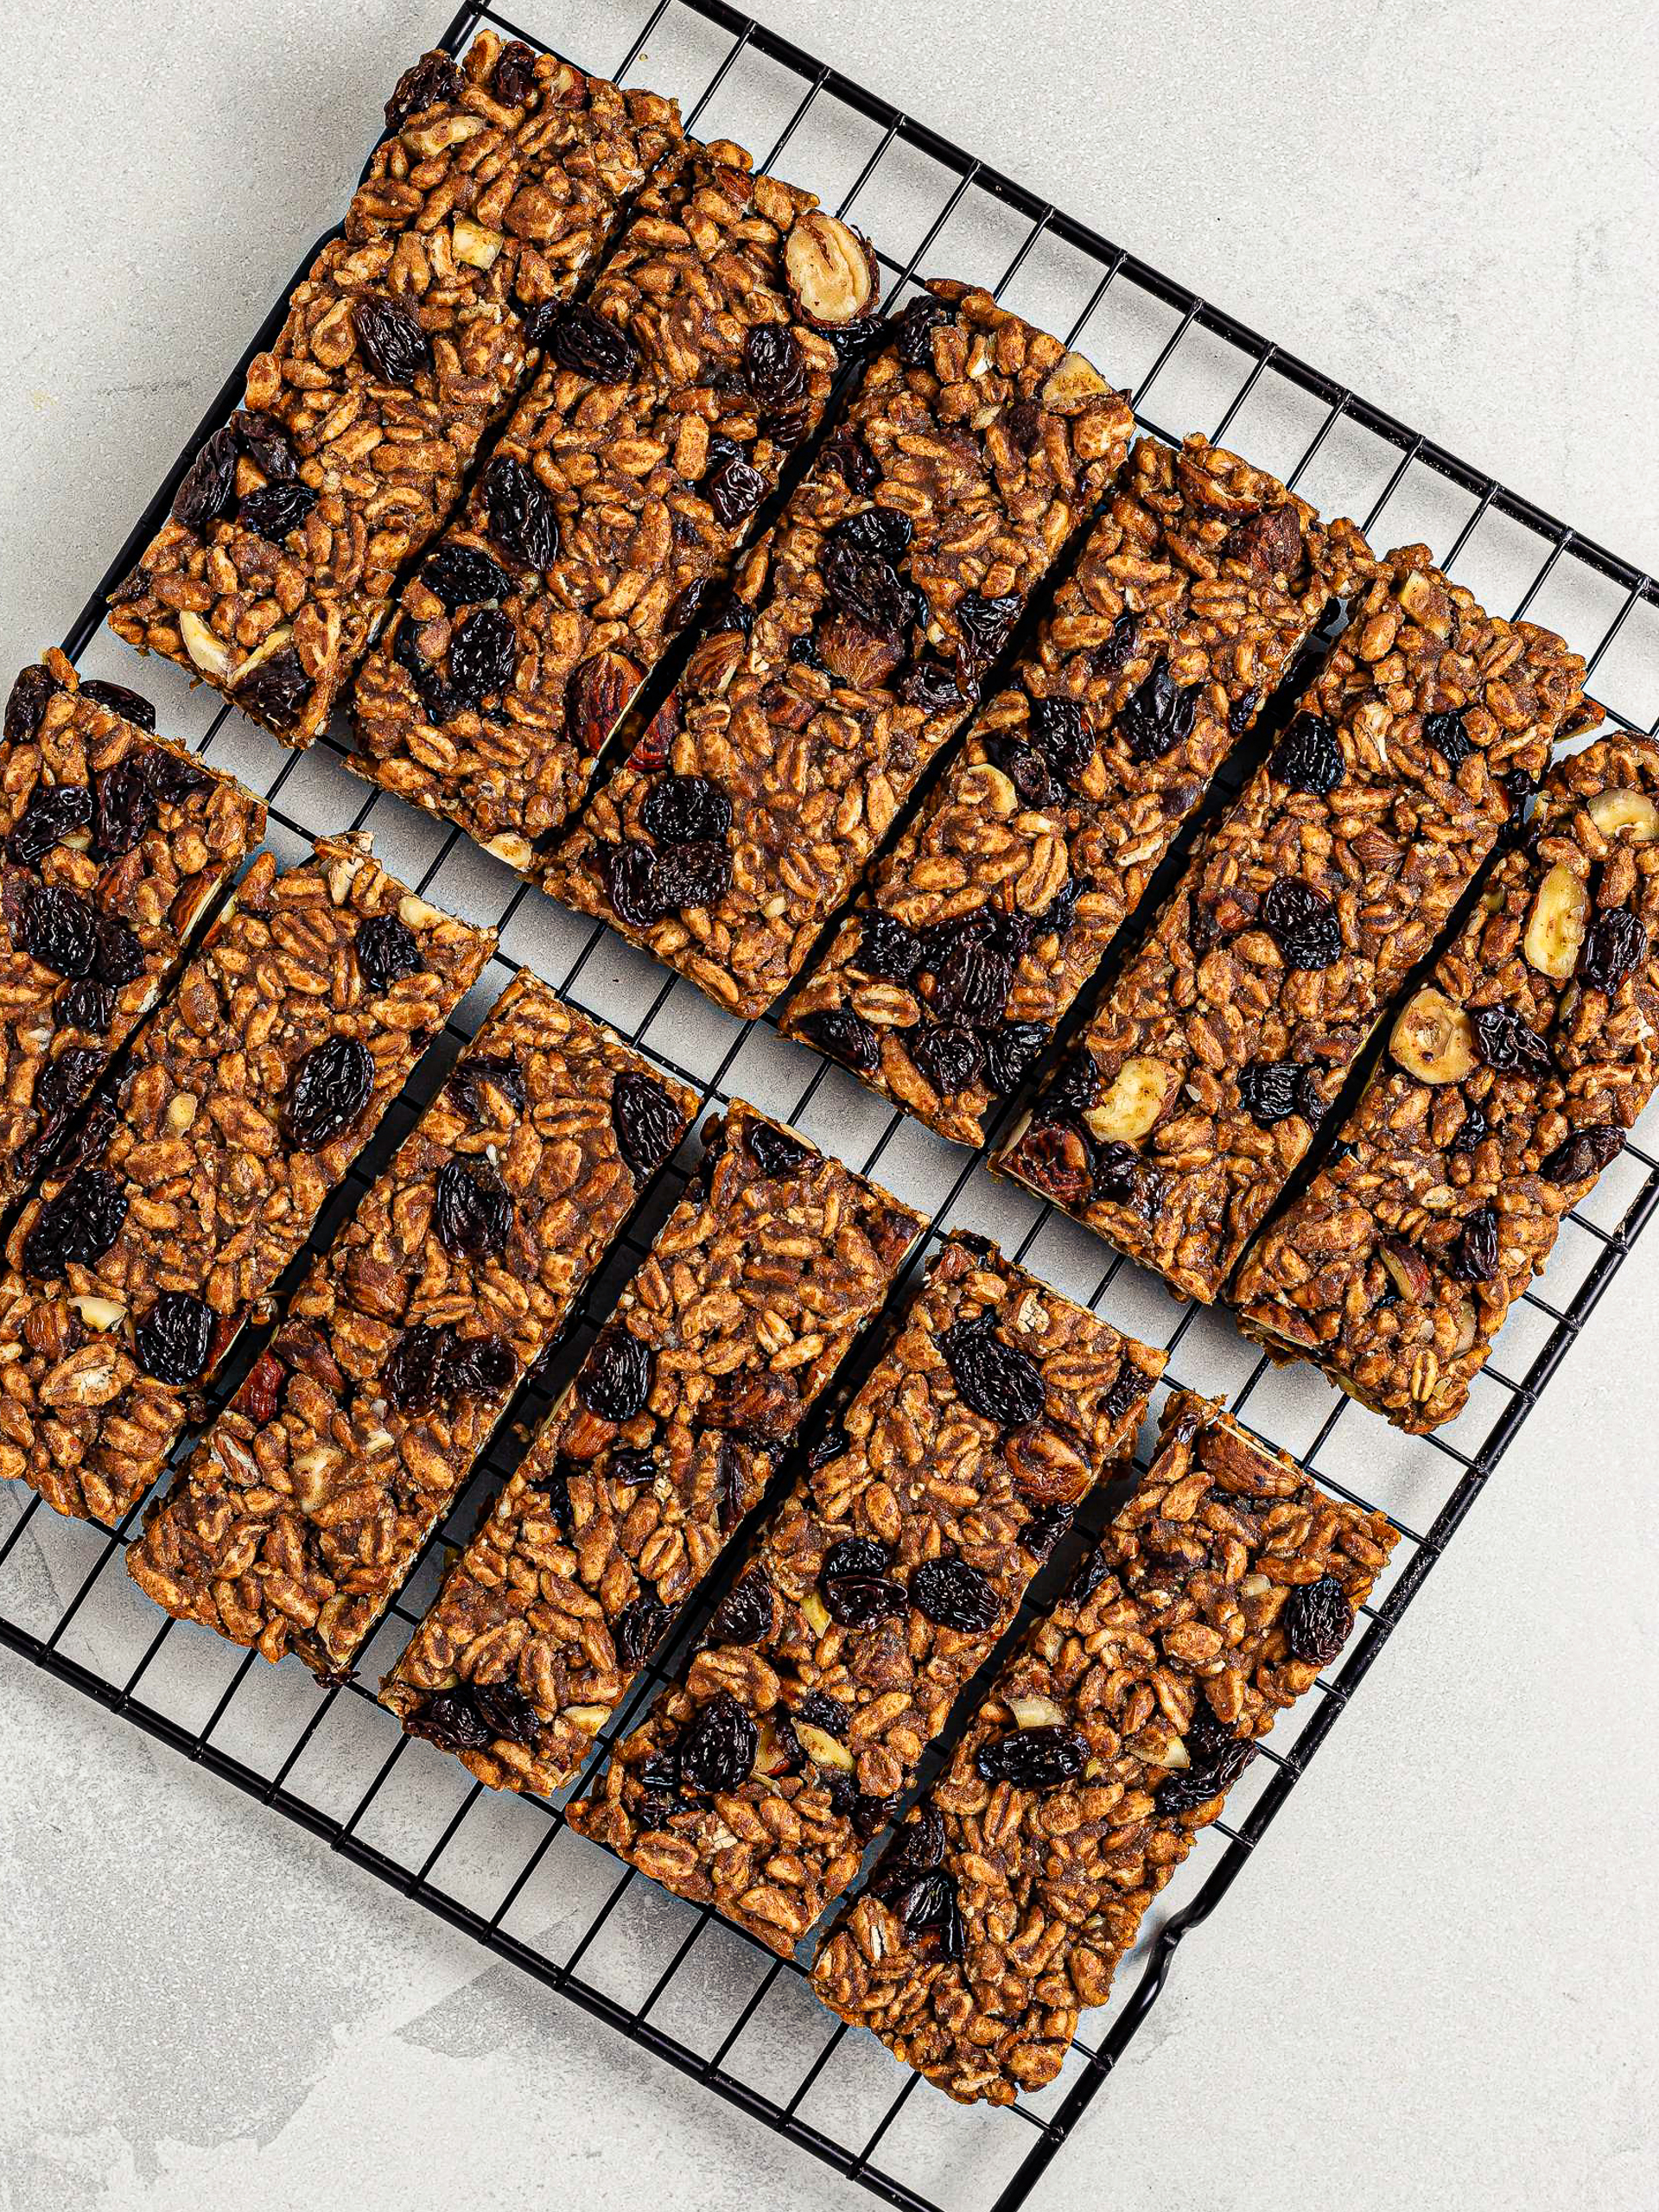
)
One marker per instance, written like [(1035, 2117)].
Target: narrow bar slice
[(115, 845), (863, 626), (754, 1288), (1197, 1086), (500, 181), (882, 1582), (1509, 1085), (242, 1104), (1189, 601), (613, 500), (304, 1507), (1002, 1906)]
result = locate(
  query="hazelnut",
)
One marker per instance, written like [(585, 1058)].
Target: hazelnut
[(1630, 814), (831, 270), (1433, 1040), (1556, 926), (1133, 1102), (1071, 383), (213, 658)]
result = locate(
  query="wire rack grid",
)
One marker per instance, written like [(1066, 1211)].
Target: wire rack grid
[(507, 1871)]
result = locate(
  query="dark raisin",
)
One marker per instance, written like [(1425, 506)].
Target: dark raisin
[(464, 576), (913, 331), (1584, 1155), (1091, 1573), (513, 77), (629, 871), (953, 1595), (1064, 912), (270, 511), (1122, 1177), (1156, 717), (118, 957), (77, 1226), (1269, 1090), (174, 1338), (63, 1083), (917, 1849), (869, 589), (817, 1711), (1308, 757), (1117, 649), (640, 1627), (1615, 943), (881, 530), (928, 1908), (776, 1152), (415, 1372), (480, 1073), (1077, 1083), (424, 83), (856, 1555), (1445, 733), (615, 1379), (1270, 541), (1474, 1256), (480, 1367), (845, 1036), (472, 1211), (949, 1055), (386, 949), (696, 873), (1012, 1049), (276, 691), (1469, 1131), (849, 457), (858, 1601), (717, 1747), (773, 367), (1302, 923), (207, 489), (123, 806), (54, 811), (804, 652), (993, 1378), (521, 517), (1025, 768), (632, 1467), (173, 777), (984, 625), (25, 703), (586, 342), (1504, 1042), (972, 984), (646, 1121), (744, 1614), (483, 656), (390, 339), (786, 427), (1044, 1529), (824, 1448), (266, 442), (58, 928), (887, 949), (1318, 1620), (677, 809), (733, 487), (1242, 711), (131, 706), (1057, 726), (330, 1089), (507, 1713), (451, 1720), (1185, 1789), (931, 684), (1034, 1758)]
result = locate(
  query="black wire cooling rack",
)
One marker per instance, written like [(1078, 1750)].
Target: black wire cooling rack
[(672, 1979)]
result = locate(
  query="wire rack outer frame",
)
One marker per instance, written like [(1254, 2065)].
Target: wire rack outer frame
[(1125, 2018)]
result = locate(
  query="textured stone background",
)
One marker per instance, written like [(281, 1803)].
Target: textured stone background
[(1435, 1988)]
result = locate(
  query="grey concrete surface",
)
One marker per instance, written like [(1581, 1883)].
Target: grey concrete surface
[(1435, 1988)]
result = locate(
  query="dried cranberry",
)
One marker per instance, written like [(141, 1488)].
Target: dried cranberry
[(869, 589), (744, 1614), (913, 331), (330, 1089), (513, 77), (1269, 1090), (1185, 1789), (116, 699), (479, 1073), (984, 625), (931, 684), (1034, 1758), (1044, 1529), (208, 487), (773, 367), (589, 344), (646, 1121), (392, 340), (1318, 1620), (1584, 1155), (1445, 733), (972, 984), (1504, 1042), (424, 83), (1308, 757), (733, 486), (271, 510), (464, 576), (844, 1036), (949, 1055), (54, 812), (276, 690), (1158, 717), (174, 1338), (886, 950), (1474, 1256), (993, 1378), (77, 1226), (677, 809), (776, 1152), (1057, 725), (57, 928), (266, 442), (640, 1627), (483, 656), (117, 958), (521, 517), (718, 1746), (386, 949), (1302, 922), (952, 1595), (615, 1379), (472, 1211), (1615, 943)]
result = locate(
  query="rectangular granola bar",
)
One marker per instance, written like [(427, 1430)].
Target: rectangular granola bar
[(1189, 601), (1002, 1906), (499, 183), (1509, 1085), (1198, 1084), (115, 846), (614, 499), (754, 1290), (242, 1104), (862, 626), (881, 1583), (305, 1506)]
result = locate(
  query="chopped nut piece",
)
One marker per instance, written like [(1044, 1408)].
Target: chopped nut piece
[(1407, 1268)]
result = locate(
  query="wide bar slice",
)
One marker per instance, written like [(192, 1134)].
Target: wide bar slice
[(112, 846), (1197, 1086), (243, 1103), (1188, 602), (881, 1584), (754, 1288), (499, 182), (1509, 1085), (614, 499), (1002, 1906), (305, 1506), (862, 627)]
